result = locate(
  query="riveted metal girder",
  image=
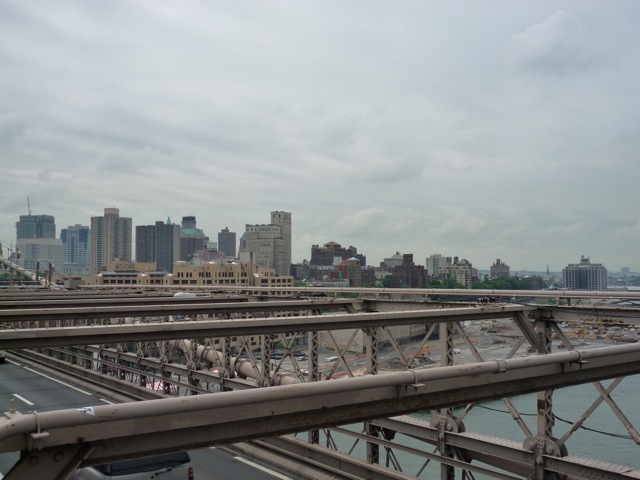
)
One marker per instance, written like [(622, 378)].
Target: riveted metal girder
[(140, 428), (168, 308), (104, 334)]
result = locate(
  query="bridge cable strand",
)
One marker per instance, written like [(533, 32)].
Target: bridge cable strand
[(618, 435)]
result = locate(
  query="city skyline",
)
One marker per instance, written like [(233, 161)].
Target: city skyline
[(135, 229), (482, 130)]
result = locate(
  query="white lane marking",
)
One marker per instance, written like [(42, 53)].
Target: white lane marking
[(107, 401), (260, 467), (15, 363), (58, 381), (22, 399)]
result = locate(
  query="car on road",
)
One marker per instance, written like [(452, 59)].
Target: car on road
[(169, 466), (3, 356)]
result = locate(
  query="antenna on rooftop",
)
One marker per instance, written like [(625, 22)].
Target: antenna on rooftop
[(29, 205)]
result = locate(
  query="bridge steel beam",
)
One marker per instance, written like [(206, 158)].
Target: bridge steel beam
[(506, 454), (415, 292), (594, 314), (113, 432), (104, 334), (86, 312), (120, 301)]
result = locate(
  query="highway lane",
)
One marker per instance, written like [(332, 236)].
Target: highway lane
[(33, 391)]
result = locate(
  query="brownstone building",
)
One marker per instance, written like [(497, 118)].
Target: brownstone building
[(409, 275), (351, 270), (329, 252)]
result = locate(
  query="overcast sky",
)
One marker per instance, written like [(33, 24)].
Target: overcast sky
[(484, 130)]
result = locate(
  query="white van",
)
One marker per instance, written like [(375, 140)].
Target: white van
[(332, 359), (170, 466)]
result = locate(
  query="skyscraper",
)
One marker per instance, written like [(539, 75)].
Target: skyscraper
[(76, 246), (192, 239), (585, 275), (227, 242), (110, 239), (36, 226), (283, 250), (269, 245), (37, 243), (158, 243)]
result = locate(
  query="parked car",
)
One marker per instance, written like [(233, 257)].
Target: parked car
[(3, 356), (170, 466)]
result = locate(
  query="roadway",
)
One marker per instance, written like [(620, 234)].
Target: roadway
[(34, 391)]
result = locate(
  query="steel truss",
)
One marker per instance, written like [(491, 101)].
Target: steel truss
[(362, 341)]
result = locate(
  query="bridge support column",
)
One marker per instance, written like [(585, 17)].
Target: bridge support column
[(544, 443), (122, 373), (140, 354), (267, 345), (164, 359), (226, 371), (545, 397), (371, 339), (313, 375), (447, 331), (193, 365)]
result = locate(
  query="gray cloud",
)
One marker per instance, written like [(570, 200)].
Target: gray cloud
[(559, 45), (484, 130)]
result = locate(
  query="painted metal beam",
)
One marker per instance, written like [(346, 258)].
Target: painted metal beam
[(105, 334), (394, 292), (85, 312), (119, 301), (596, 314), (142, 428)]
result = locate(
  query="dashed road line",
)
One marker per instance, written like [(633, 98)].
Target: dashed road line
[(22, 399), (58, 381), (264, 469)]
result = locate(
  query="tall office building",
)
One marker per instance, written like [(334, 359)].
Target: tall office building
[(110, 239), (37, 243), (269, 245), (227, 242), (36, 226), (158, 243), (76, 246), (193, 241), (585, 275)]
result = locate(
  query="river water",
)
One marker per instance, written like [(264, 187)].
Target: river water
[(602, 437)]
